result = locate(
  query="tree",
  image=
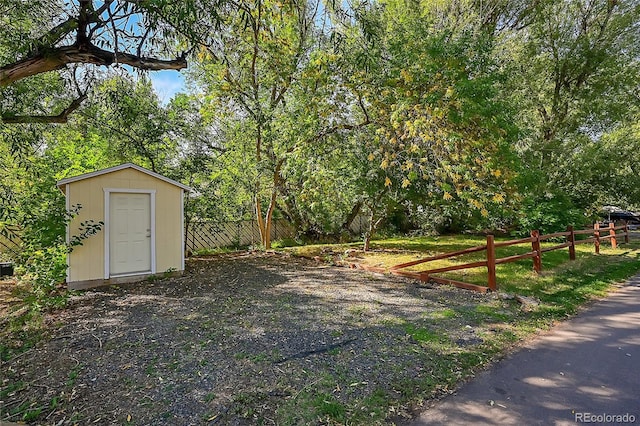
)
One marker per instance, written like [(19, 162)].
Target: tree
[(80, 29), (42, 36), (33, 207), (606, 170), (572, 74), (251, 70), (569, 70), (577, 66), (128, 115), (441, 133)]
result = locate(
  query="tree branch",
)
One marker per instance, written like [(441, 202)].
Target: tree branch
[(58, 58), (63, 117), (341, 127)]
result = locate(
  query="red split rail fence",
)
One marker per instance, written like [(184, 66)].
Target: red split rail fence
[(491, 261)]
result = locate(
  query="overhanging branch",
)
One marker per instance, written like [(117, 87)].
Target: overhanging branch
[(58, 58)]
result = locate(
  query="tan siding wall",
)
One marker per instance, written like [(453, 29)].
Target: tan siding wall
[(86, 262)]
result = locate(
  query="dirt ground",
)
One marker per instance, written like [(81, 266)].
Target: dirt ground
[(248, 339)]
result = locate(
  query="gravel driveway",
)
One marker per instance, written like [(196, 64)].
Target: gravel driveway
[(242, 339)]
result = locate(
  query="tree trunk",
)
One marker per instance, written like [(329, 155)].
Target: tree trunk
[(269, 219), (259, 219), (367, 242), (373, 227), (374, 222), (61, 118), (370, 230), (265, 223), (355, 211)]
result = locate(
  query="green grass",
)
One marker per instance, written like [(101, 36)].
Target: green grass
[(424, 335), (326, 405), (73, 375), (285, 242), (10, 388), (217, 251)]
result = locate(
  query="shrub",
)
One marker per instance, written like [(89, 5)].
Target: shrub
[(550, 213), (42, 270)]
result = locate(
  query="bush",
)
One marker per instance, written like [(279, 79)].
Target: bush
[(550, 213), (43, 271)]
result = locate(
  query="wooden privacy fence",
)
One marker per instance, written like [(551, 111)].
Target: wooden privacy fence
[(211, 235), (491, 261), (201, 235), (10, 240)]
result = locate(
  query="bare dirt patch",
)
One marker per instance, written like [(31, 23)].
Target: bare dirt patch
[(242, 340)]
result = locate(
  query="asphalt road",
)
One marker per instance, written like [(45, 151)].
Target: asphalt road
[(582, 371)]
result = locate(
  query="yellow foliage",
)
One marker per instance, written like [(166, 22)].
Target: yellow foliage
[(387, 181), (203, 55), (447, 196), (498, 198), (477, 204), (406, 76)]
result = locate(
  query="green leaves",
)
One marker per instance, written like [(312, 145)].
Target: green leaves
[(570, 73)]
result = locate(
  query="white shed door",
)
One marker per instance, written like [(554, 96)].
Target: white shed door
[(129, 233)]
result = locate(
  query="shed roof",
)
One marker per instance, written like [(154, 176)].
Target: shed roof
[(90, 175)]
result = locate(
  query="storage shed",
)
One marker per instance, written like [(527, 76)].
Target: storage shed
[(143, 231)]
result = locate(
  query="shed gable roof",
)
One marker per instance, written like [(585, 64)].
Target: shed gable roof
[(124, 166)]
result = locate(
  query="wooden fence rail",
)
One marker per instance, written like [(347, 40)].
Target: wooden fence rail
[(492, 261)]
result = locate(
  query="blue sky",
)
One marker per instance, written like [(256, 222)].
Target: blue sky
[(167, 83)]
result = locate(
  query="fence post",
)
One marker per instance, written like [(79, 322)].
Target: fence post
[(491, 263), (626, 232), (535, 246), (612, 233), (572, 241), (596, 237)]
